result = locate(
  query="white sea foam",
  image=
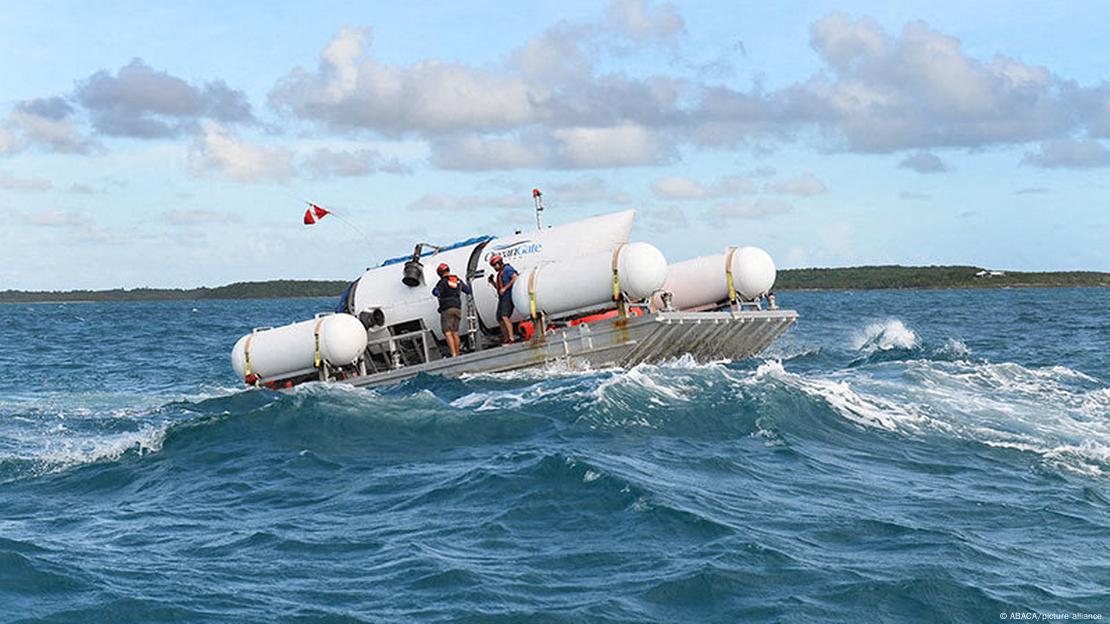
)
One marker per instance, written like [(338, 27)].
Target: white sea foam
[(148, 439), (486, 401), (771, 438), (1059, 413), (52, 454), (862, 408), (955, 348), (316, 388), (571, 387), (553, 369), (644, 376), (1056, 412), (884, 336), (61, 430), (769, 368), (687, 362), (1088, 458)]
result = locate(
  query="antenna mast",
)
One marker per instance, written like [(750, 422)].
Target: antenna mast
[(538, 197)]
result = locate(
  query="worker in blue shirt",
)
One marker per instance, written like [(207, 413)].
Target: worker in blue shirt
[(503, 281)]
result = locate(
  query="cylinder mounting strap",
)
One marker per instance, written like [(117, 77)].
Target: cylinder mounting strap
[(247, 354), (316, 334), (532, 291), (616, 271), (728, 273)]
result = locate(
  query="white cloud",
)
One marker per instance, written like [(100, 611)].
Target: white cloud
[(665, 219), (57, 218), (24, 128), (1069, 153), (218, 151), (352, 163), (10, 182), (139, 101), (639, 21), (554, 57), (617, 146), (89, 232), (442, 202), (673, 188), (924, 162), (625, 145), (7, 141), (804, 185), (198, 217), (567, 99), (544, 105), (516, 194), (475, 153), (760, 208), (678, 187), (351, 89), (917, 89), (589, 190), (883, 92), (79, 188), (550, 103)]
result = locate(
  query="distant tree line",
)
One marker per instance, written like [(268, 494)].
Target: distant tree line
[(275, 289), (894, 276), (848, 278)]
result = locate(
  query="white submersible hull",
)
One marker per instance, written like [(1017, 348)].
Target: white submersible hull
[(584, 297)]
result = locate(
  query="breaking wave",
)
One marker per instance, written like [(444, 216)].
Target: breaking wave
[(884, 336)]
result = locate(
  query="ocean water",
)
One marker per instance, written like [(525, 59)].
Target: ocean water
[(898, 456)]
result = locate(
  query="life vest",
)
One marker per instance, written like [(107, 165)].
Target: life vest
[(499, 281), (527, 330)]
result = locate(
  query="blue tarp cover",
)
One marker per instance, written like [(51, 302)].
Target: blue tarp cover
[(465, 243)]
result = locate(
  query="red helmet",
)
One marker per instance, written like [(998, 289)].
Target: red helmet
[(495, 260), (442, 268)]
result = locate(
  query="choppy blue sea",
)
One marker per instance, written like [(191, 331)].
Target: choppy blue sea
[(933, 456)]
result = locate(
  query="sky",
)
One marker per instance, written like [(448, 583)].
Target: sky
[(174, 144)]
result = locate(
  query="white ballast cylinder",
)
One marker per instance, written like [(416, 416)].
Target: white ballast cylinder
[(703, 281), (584, 282), (291, 350), (753, 272)]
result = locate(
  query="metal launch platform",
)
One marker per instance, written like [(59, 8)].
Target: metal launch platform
[(619, 341)]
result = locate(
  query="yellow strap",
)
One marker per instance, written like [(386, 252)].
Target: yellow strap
[(616, 272), (728, 272), (532, 292), (316, 332), (247, 353)]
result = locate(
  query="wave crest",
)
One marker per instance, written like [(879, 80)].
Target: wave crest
[(885, 336)]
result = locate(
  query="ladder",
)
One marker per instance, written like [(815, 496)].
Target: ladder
[(472, 329)]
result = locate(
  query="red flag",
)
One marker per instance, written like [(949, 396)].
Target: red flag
[(320, 212), (308, 218)]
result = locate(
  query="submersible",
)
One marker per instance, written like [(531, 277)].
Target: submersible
[(586, 297)]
